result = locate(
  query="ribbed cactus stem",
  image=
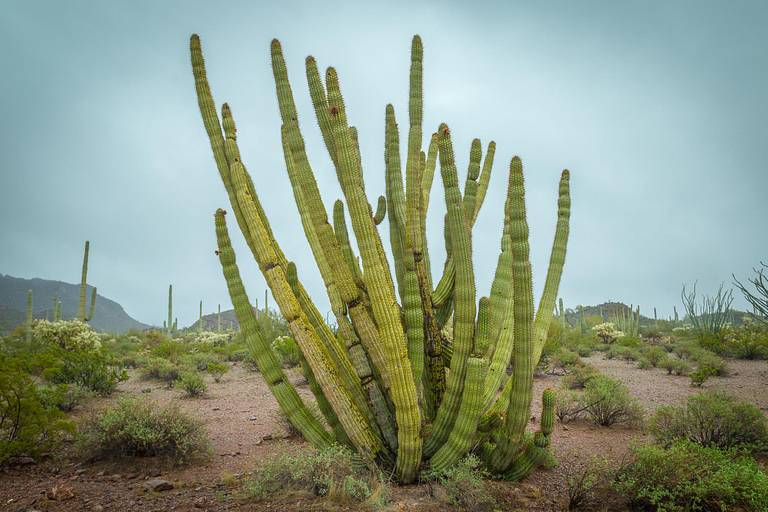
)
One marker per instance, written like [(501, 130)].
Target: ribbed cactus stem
[(218, 319), (81, 307), (381, 210), (169, 323)]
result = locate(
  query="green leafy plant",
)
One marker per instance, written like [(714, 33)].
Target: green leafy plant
[(712, 418), (217, 370), (192, 383), (688, 477), (139, 428), (334, 472), (608, 402), (28, 426), (464, 485), (287, 350), (161, 369)]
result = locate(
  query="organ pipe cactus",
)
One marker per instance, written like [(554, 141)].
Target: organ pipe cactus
[(81, 315), (389, 383)]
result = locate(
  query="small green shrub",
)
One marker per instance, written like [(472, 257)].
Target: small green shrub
[(644, 363), (335, 473), (586, 482), (464, 485), (64, 397), (579, 377), (88, 368), (287, 350), (690, 477), (700, 376), (675, 366), (27, 426), (750, 341), (569, 406), (564, 361), (192, 384), (713, 364), (161, 369), (654, 355), (608, 402), (217, 370), (139, 428), (584, 350), (712, 419), (200, 361)]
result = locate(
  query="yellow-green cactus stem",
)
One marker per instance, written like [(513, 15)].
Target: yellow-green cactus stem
[(381, 210), (81, 315)]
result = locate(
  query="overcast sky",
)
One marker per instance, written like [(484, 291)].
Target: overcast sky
[(657, 108)]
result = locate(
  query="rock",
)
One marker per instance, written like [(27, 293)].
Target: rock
[(97, 508), (116, 477), (100, 473), (158, 485), (267, 437), (79, 471), (253, 418), (154, 472)]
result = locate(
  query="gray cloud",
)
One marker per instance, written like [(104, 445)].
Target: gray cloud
[(657, 108)]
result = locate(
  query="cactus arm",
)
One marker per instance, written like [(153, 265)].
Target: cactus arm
[(471, 184), (342, 235), (83, 286), (286, 395), (313, 349), (462, 435), (380, 288), (464, 293), (555, 271), (396, 199), (381, 210), (518, 409), (485, 179)]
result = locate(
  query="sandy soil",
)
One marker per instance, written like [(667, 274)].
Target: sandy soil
[(245, 427)]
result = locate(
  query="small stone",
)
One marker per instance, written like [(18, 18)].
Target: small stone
[(80, 471), (267, 437), (97, 508), (100, 473), (154, 472), (158, 485), (22, 461), (253, 418), (116, 477)]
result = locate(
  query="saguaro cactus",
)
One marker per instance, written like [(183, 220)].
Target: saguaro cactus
[(170, 324), (388, 382), (200, 318), (83, 290), (218, 319)]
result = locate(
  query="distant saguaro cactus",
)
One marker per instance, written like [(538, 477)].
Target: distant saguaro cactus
[(83, 290), (380, 379), (28, 326), (170, 325)]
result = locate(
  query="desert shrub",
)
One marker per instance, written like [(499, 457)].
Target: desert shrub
[(200, 361), (644, 363), (675, 366), (709, 361), (192, 383), (139, 428), (170, 349), (607, 332), (217, 370), (712, 419), (586, 482), (564, 361), (700, 376), (750, 341), (64, 397), (569, 406), (161, 369), (602, 347), (27, 426), (584, 350), (623, 353), (88, 368), (690, 477), (654, 355), (464, 484), (608, 402), (288, 351), (629, 341), (579, 377), (334, 472)]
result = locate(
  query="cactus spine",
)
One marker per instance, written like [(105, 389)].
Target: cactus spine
[(81, 315), (381, 380)]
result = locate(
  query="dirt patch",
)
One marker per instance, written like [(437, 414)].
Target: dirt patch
[(244, 426)]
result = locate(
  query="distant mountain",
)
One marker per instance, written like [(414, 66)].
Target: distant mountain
[(109, 315)]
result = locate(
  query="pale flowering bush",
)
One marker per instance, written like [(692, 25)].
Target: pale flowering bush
[(216, 339), (607, 332), (68, 334)]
